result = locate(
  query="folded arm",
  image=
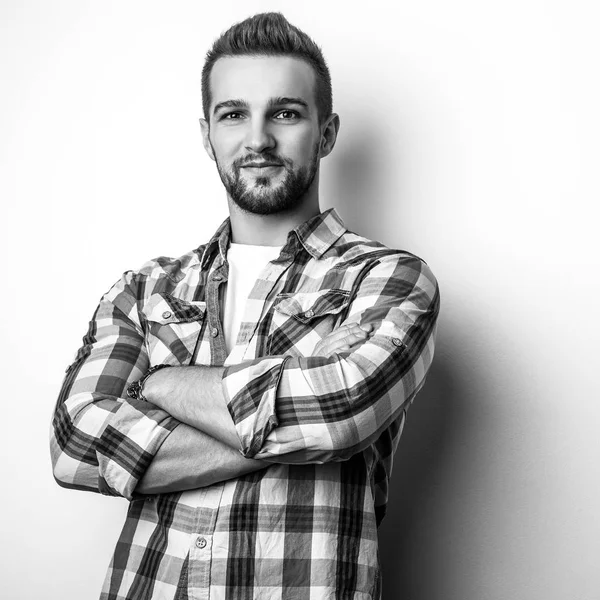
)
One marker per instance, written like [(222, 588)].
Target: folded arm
[(103, 441), (194, 394), (190, 459), (320, 409), (330, 405), (180, 391)]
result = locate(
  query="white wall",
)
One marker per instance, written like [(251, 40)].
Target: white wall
[(470, 136)]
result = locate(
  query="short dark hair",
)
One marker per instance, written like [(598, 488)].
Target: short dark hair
[(270, 34)]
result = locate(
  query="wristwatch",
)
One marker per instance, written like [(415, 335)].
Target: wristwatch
[(134, 390)]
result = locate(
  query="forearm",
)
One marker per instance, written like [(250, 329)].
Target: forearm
[(190, 459), (194, 395)]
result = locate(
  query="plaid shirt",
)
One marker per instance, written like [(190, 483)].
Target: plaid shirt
[(305, 527)]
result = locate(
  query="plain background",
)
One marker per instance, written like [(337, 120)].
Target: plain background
[(470, 136)]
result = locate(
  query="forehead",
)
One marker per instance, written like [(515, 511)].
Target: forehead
[(255, 79)]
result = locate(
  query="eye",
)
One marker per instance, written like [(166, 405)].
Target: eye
[(287, 115), (231, 116)]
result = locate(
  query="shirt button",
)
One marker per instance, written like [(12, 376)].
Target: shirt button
[(397, 342), (309, 314), (166, 314), (214, 332), (201, 542)]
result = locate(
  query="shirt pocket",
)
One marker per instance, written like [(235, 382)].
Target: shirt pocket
[(173, 328), (300, 320)]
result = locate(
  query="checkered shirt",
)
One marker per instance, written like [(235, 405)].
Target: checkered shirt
[(305, 527)]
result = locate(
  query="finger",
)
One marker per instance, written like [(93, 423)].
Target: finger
[(342, 335), (337, 350), (348, 341), (342, 332), (352, 337), (345, 343)]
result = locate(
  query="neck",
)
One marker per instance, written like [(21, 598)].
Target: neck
[(273, 229)]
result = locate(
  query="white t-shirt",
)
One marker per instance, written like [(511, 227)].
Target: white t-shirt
[(246, 263)]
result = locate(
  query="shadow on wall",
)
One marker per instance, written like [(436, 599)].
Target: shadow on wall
[(360, 172), (412, 565), (370, 191)]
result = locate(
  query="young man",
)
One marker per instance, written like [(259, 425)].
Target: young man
[(257, 465)]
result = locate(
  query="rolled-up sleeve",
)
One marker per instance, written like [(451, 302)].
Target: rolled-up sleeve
[(100, 440), (321, 409)]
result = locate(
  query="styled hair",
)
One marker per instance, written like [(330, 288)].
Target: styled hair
[(270, 34)]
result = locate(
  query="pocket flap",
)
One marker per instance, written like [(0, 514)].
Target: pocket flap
[(165, 308), (310, 305)]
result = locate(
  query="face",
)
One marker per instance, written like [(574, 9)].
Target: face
[(264, 132)]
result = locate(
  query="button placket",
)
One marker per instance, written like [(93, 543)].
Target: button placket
[(254, 312), (199, 576), (201, 540), (218, 349)]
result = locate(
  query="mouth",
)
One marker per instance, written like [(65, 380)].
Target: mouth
[(262, 168)]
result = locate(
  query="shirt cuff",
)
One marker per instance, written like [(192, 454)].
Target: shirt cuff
[(128, 445), (250, 390)]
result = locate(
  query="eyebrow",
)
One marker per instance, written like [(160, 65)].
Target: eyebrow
[(285, 100), (279, 101), (230, 104)]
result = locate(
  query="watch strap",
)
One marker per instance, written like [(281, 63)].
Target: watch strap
[(135, 389)]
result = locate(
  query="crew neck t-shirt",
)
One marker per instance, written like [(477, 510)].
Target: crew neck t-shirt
[(246, 262)]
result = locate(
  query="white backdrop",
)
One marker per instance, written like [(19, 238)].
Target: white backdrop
[(470, 136)]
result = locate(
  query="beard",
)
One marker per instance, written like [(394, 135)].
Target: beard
[(262, 196)]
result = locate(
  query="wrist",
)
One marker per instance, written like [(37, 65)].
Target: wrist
[(139, 389), (157, 386)]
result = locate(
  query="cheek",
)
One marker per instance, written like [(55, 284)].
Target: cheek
[(225, 144), (300, 146)]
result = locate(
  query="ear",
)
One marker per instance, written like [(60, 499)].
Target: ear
[(205, 129), (329, 135)]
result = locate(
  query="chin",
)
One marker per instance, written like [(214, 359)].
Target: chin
[(263, 181), (266, 204)]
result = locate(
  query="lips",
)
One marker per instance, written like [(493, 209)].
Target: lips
[(262, 169), (263, 165)]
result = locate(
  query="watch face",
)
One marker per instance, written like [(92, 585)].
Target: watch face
[(133, 390)]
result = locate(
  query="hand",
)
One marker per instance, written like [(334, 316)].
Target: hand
[(343, 339)]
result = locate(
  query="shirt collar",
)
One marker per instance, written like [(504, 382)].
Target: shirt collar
[(320, 232), (317, 235)]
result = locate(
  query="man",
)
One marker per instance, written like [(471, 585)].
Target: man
[(257, 465)]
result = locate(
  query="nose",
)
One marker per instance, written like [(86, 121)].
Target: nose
[(259, 138)]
